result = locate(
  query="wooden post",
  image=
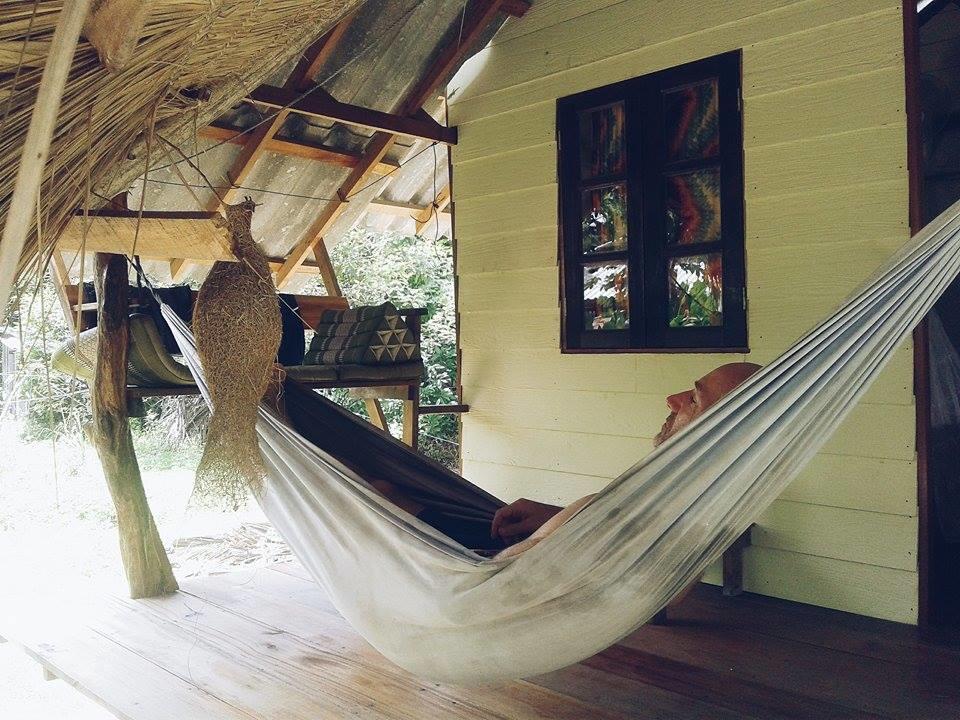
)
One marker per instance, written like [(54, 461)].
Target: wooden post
[(144, 559)]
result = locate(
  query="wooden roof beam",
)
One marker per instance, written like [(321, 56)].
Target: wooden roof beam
[(257, 142), (321, 104), (515, 8), (293, 148), (440, 205), (481, 14)]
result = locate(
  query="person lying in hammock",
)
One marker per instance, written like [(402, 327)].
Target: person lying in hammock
[(523, 523)]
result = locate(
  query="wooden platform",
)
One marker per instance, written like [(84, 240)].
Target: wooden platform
[(267, 644)]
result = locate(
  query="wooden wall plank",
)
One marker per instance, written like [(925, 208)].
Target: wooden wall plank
[(524, 127), (518, 211), (854, 587), (578, 453), (532, 248), (590, 38), (874, 484), (874, 100), (508, 171), (547, 368), (821, 216), (512, 328), (857, 45), (510, 482), (831, 161), (636, 415), (876, 431), (839, 533), (512, 290), (493, 81), (548, 13)]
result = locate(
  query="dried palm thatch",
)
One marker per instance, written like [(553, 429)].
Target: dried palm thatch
[(113, 28), (216, 50), (236, 321)]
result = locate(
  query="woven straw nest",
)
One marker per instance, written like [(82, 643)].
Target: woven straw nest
[(217, 50), (236, 321)]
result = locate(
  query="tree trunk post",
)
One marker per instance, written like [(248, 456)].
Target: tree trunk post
[(144, 559)]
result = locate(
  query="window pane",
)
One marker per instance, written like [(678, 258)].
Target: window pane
[(604, 224), (696, 290), (690, 117), (693, 207), (601, 142), (605, 305)]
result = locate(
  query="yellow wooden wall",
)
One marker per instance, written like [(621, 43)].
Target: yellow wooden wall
[(826, 202)]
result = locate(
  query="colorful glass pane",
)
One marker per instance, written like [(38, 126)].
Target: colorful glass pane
[(691, 120), (604, 219), (696, 291), (605, 303), (601, 142), (693, 207)]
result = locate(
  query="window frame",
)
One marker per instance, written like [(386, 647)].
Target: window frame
[(647, 292)]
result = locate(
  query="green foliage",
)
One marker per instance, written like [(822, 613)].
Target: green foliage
[(409, 271), (698, 305), (49, 403)]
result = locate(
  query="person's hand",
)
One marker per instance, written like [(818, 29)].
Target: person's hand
[(520, 518)]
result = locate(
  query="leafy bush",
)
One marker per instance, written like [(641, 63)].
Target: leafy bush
[(47, 402), (409, 272)]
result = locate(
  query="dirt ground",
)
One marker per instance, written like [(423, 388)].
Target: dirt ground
[(57, 530)]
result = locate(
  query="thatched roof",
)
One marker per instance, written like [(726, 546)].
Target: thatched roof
[(220, 47), (195, 64)]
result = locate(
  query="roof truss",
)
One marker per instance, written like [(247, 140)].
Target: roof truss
[(479, 15)]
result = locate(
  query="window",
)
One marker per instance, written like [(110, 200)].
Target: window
[(651, 191)]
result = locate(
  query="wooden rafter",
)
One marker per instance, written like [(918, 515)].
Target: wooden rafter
[(441, 203), (258, 142), (321, 104), (482, 13), (301, 149), (516, 8)]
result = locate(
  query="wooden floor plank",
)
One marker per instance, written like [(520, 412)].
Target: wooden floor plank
[(869, 637), (830, 676), (624, 693), (125, 683), (734, 693), (270, 673), (268, 644), (301, 607)]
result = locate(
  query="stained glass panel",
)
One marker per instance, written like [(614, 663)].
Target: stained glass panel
[(604, 219), (601, 142), (691, 121), (696, 291), (605, 303), (693, 207)]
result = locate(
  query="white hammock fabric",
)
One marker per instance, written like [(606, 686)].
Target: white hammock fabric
[(446, 613)]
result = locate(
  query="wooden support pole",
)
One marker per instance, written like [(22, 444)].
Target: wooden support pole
[(144, 559), (376, 413)]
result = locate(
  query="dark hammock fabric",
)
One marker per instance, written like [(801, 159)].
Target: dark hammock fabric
[(374, 454), (292, 344)]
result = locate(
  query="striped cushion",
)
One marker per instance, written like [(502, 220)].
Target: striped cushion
[(367, 335)]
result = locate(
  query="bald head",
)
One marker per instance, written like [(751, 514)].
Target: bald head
[(688, 405)]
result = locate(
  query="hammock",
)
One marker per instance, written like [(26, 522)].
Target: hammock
[(445, 613)]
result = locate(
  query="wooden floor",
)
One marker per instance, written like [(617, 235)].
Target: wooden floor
[(267, 644)]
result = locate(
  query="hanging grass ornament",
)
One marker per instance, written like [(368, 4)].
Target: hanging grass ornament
[(236, 321)]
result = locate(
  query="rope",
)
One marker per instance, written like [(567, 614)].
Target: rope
[(150, 131)]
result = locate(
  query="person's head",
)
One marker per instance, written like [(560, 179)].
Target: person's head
[(688, 405)]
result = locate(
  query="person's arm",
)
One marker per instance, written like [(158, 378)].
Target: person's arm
[(521, 519)]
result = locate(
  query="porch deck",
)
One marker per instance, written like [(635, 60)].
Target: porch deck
[(266, 643)]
